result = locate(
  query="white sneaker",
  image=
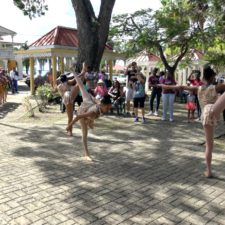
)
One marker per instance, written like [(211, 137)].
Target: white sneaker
[(156, 113), (163, 119), (171, 120), (150, 113)]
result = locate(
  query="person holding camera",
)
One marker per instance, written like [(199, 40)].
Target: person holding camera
[(156, 92), (131, 72)]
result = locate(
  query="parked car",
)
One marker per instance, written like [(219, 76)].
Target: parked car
[(120, 77), (38, 80)]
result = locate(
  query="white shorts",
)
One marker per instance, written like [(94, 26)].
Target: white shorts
[(129, 94)]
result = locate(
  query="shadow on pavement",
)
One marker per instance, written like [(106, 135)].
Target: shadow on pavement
[(7, 108), (141, 174)]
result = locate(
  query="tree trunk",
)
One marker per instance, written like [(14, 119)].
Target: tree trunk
[(92, 31), (171, 69)]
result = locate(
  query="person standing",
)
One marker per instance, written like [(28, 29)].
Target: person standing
[(131, 78), (168, 96), (14, 75), (190, 106), (156, 91), (139, 97), (195, 80)]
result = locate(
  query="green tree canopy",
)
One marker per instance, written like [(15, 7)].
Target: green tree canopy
[(171, 31)]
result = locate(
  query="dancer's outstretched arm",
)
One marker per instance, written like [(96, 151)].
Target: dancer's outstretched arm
[(189, 88), (164, 86)]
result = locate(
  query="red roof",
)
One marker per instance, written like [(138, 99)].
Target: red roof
[(63, 36), (153, 57), (199, 54)]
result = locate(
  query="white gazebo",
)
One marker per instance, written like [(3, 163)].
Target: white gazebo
[(58, 45)]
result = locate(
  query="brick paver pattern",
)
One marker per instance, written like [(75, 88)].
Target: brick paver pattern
[(141, 174)]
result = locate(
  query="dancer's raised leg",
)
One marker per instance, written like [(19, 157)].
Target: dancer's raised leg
[(209, 137), (84, 93)]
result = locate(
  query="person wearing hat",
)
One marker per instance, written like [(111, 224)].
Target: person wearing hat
[(101, 90)]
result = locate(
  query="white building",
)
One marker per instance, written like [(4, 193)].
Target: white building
[(7, 57)]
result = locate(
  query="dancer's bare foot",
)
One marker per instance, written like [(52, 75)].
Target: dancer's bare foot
[(208, 175), (88, 158), (69, 131)]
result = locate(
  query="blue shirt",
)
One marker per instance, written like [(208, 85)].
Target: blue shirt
[(139, 90)]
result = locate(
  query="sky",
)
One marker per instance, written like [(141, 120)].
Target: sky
[(60, 13)]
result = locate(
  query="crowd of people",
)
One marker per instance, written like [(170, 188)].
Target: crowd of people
[(98, 98), (97, 95)]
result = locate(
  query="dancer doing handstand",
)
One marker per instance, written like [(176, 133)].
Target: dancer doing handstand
[(89, 110)]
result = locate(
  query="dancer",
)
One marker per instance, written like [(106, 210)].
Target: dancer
[(68, 91), (89, 110), (207, 95)]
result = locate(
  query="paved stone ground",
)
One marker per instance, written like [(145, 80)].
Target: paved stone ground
[(142, 174)]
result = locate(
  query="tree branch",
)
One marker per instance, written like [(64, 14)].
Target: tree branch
[(135, 25), (162, 56), (184, 50)]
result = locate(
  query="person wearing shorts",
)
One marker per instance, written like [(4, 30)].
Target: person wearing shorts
[(131, 73), (139, 97)]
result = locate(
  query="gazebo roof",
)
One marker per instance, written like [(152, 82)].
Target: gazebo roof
[(60, 36), (144, 57), (60, 41), (197, 54)]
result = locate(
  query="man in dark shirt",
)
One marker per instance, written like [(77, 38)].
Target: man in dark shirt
[(156, 91)]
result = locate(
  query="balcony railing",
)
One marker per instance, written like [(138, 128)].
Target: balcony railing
[(6, 53)]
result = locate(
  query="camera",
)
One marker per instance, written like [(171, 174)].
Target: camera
[(64, 77)]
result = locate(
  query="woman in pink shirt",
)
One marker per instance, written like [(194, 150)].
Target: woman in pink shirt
[(168, 96)]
